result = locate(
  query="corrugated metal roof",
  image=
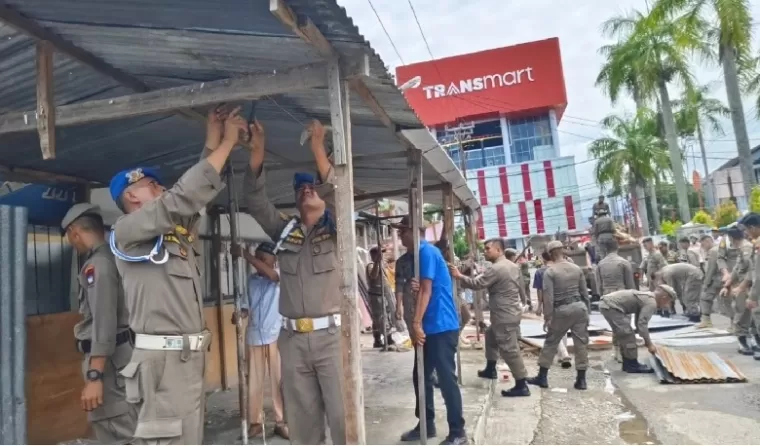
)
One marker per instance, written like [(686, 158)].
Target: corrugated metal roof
[(681, 367), (176, 42)]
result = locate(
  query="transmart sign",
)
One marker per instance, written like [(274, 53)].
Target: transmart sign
[(490, 81)]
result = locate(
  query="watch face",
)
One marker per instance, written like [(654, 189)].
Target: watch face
[(94, 375)]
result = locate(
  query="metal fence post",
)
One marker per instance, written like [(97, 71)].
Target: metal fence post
[(13, 245)]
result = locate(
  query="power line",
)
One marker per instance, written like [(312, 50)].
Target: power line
[(386, 32)]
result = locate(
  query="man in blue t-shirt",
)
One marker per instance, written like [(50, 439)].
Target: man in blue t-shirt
[(435, 326)]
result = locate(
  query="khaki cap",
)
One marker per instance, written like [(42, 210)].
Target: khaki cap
[(554, 244), (77, 211)]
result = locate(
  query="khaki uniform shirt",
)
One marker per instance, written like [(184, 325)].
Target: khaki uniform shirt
[(604, 225), (101, 302), (505, 290), (564, 283), (640, 303), (678, 272), (599, 206), (728, 255), (742, 262), (654, 263), (754, 265), (308, 258), (167, 299), (712, 280), (690, 257), (614, 273)]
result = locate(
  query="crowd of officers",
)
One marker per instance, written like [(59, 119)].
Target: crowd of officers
[(143, 336)]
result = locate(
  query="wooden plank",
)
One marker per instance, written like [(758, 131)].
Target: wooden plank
[(241, 88), (472, 242), (373, 195), (45, 99), (31, 28), (448, 224), (359, 158), (353, 390), (36, 176), (303, 27)]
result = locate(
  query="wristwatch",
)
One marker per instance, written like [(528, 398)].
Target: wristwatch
[(94, 375)]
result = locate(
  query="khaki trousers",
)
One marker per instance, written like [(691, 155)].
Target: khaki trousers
[(623, 335), (503, 339), (742, 316), (169, 388), (312, 376), (263, 359), (572, 317)]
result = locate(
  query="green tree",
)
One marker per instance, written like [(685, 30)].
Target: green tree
[(657, 51), (729, 31), (630, 156), (754, 199), (670, 228), (726, 213), (461, 248), (703, 218)]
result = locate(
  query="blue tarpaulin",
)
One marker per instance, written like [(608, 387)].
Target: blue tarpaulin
[(46, 204)]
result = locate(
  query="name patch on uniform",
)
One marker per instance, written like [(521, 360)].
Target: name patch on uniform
[(89, 275), (320, 238)]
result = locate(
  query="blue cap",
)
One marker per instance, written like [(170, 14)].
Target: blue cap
[(302, 178), (127, 177)]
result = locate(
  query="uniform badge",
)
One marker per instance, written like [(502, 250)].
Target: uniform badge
[(182, 252), (89, 275), (133, 176), (316, 249)]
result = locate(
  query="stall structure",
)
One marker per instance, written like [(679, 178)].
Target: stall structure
[(88, 88)]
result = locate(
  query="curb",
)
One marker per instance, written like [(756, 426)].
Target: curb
[(480, 425)]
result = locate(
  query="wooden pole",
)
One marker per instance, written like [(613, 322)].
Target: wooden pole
[(448, 223), (382, 277), (216, 290), (353, 391), (232, 212), (472, 242), (415, 212)]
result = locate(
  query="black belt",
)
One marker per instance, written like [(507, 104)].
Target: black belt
[(85, 345)]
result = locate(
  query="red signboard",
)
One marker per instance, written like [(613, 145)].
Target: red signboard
[(503, 81)]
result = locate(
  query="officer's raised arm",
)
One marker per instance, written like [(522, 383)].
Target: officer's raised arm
[(326, 188), (151, 210)]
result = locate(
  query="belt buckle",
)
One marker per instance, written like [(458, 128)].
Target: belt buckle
[(173, 343), (305, 325)]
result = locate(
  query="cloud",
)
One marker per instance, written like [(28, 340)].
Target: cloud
[(454, 27)]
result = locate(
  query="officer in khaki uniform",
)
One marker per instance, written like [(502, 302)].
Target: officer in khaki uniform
[(310, 297), (654, 262), (617, 308), (160, 270), (103, 335), (504, 283), (603, 233), (566, 307), (739, 258), (614, 273), (686, 254), (751, 224), (712, 282), (686, 279)]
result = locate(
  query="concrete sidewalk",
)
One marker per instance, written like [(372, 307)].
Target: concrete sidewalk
[(388, 400)]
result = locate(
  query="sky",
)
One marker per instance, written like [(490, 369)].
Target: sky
[(455, 27)]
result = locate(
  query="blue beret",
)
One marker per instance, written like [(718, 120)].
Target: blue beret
[(302, 178), (751, 219), (125, 178)]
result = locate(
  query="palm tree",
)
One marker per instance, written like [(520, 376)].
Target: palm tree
[(657, 52), (695, 110), (630, 157), (733, 35), (616, 74)]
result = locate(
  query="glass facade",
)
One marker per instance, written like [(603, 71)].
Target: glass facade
[(484, 142), (528, 133)]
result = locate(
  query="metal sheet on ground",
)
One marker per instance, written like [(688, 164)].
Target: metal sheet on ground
[(682, 367)]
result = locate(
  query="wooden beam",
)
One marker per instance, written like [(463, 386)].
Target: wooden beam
[(360, 158), (31, 28), (353, 388), (35, 176), (45, 99), (303, 27), (375, 195), (448, 224), (241, 88)]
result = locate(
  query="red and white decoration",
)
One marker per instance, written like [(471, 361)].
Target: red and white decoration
[(527, 199)]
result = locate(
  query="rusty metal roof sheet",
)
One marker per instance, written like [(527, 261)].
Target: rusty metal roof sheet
[(682, 367), (178, 42)]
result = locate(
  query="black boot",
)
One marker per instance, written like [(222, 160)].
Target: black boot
[(489, 372), (756, 347), (744, 347), (541, 380), (378, 340), (414, 434), (520, 389), (634, 366), (580, 380), (390, 340)]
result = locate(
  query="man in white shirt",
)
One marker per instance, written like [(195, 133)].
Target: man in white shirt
[(264, 323)]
